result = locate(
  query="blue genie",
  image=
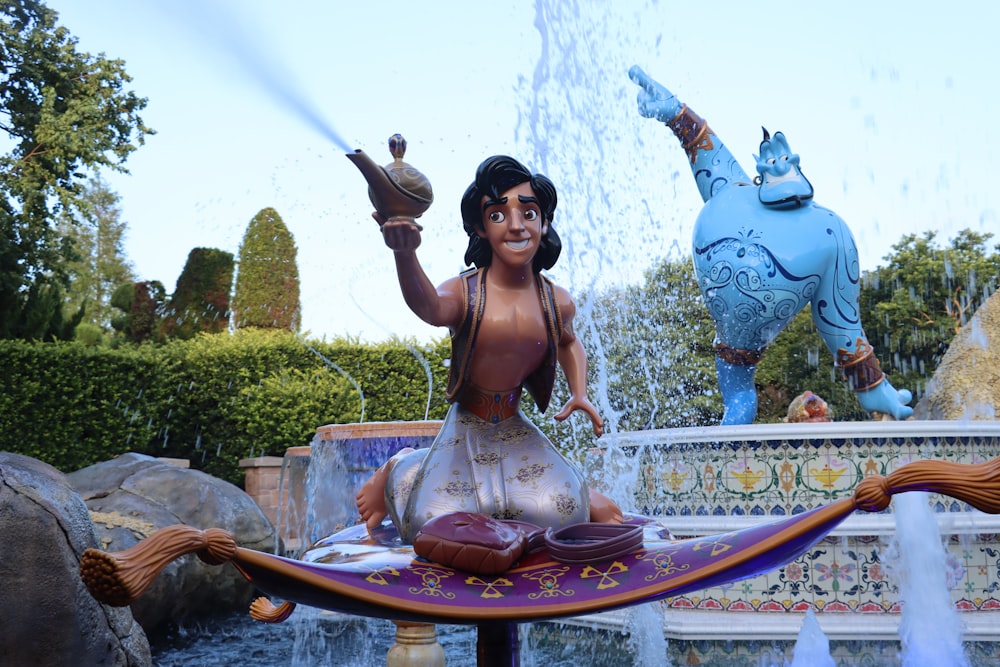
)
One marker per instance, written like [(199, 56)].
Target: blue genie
[(762, 251)]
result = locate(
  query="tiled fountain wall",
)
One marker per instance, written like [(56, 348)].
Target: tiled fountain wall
[(712, 480)]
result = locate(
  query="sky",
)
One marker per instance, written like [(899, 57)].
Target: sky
[(891, 105)]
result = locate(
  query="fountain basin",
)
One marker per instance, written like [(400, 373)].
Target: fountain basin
[(711, 480), (706, 481), (323, 478)]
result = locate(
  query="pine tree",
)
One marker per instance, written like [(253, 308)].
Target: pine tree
[(98, 234), (267, 280)]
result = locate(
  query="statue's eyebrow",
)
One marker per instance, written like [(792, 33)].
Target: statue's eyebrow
[(493, 202), (528, 199)]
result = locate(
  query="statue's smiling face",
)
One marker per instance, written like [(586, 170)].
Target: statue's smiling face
[(782, 184), (513, 225)]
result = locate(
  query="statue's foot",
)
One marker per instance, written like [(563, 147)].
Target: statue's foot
[(371, 497), (603, 509)]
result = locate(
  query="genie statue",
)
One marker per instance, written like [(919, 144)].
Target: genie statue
[(762, 251)]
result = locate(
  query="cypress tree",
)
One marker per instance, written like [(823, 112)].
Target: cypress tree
[(267, 279)]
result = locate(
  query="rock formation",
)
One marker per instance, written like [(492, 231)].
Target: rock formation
[(134, 495), (49, 616), (966, 385)]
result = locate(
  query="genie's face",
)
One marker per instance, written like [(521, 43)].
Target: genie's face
[(782, 184)]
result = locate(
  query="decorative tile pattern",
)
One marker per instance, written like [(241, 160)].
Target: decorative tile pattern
[(782, 477), (775, 472)]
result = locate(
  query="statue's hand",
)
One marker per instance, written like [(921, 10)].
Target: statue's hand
[(581, 403), (886, 399), (654, 100), (400, 234)]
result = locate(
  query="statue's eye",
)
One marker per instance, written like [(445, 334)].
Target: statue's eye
[(784, 158), (770, 160), (495, 216), (531, 214)]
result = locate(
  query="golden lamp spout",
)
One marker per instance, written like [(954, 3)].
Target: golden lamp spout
[(397, 189)]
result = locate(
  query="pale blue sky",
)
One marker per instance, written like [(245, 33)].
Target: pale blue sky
[(891, 105)]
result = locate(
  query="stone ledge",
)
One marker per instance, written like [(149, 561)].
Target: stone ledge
[(262, 462), (694, 624), (884, 524)]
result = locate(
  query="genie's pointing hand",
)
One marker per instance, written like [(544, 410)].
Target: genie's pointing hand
[(655, 101)]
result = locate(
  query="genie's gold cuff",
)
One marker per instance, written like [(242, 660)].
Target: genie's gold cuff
[(693, 132), (860, 368), (736, 356)]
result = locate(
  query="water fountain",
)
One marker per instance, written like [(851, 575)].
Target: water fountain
[(371, 571), (716, 479)]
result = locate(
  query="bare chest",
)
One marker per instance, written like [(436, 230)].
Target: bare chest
[(512, 330)]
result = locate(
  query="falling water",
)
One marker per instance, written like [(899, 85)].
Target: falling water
[(579, 130), (340, 370), (415, 352), (644, 625), (930, 629)]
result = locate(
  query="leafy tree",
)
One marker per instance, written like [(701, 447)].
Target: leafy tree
[(652, 344), (97, 234), (140, 305), (89, 334), (914, 306), (798, 360), (267, 282), (200, 302), (63, 112)]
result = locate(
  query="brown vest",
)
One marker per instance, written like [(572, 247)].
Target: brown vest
[(539, 383)]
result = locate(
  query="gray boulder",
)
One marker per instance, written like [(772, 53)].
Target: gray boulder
[(49, 617), (134, 495)]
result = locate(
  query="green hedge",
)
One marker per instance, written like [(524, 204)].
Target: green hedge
[(214, 399)]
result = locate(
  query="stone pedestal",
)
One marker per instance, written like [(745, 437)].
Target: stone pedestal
[(262, 481), (416, 646)]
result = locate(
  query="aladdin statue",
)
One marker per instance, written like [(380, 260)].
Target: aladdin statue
[(510, 327), (762, 251)]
